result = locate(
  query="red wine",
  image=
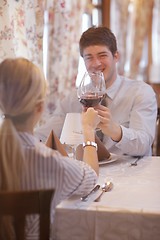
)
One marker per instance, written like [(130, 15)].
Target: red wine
[(90, 100)]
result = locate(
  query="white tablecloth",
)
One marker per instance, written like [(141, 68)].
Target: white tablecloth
[(131, 211)]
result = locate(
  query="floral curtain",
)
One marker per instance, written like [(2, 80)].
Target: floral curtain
[(46, 32), (21, 29), (64, 24)]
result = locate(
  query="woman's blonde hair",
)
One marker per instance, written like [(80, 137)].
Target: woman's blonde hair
[(22, 86)]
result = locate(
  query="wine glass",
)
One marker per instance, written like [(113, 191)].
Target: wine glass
[(71, 135), (92, 89)]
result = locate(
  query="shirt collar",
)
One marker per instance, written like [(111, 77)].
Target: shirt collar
[(113, 89)]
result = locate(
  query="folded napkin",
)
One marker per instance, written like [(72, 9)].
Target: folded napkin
[(54, 143), (101, 151)]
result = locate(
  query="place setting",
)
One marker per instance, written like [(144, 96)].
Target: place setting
[(71, 140), (103, 186)]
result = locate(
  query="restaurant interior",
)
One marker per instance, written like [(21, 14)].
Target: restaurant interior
[(43, 32), (47, 32)]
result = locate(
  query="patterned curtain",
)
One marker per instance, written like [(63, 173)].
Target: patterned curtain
[(131, 26), (143, 10), (64, 24), (24, 24), (21, 29), (119, 27)]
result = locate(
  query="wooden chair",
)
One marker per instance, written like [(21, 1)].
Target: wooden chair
[(19, 204)]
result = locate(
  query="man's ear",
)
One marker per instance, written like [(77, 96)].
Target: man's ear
[(117, 56)]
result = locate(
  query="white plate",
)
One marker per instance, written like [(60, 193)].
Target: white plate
[(113, 158)]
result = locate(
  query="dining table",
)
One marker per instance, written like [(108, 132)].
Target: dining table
[(129, 211)]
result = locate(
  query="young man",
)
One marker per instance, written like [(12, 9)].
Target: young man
[(128, 120)]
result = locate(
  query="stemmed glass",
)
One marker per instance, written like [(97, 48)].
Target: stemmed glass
[(71, 135), (92, 89)]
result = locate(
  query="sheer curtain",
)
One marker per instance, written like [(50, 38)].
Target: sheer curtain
[(143, 16), (21, 29), (119, 25), (131, 24), (46, 32), (63, 24)]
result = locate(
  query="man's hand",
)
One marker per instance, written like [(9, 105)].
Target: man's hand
[(107, 125)]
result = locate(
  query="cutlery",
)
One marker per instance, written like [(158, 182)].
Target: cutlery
[(84, 198), (135, 162), (105, 188)]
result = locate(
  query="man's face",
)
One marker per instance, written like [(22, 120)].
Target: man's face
[(100, 58)]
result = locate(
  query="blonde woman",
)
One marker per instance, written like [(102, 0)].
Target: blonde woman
[(25, 163)]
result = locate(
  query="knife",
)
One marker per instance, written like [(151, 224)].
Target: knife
[(84, 198)]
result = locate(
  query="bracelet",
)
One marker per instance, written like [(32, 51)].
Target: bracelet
[(89, 143)]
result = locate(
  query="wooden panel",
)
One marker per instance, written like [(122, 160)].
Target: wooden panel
[(106, 12)]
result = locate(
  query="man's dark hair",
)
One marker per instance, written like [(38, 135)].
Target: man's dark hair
[(98, 36)]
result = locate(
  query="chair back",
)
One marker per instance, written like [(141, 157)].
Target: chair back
[(22, 203)]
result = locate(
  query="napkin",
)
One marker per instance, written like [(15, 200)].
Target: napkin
[(102, 152), (54, 143)]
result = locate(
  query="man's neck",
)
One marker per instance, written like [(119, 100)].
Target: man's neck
[(111, 80)]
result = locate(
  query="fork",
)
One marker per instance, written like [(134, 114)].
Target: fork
[(135, 162)]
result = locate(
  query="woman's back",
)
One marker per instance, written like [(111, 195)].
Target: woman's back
[(26, 163)]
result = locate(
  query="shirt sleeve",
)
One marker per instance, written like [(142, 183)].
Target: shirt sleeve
[(79, 177), (138, 137)]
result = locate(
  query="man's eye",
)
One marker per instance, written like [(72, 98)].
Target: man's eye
[(103, 56), (87, 58)]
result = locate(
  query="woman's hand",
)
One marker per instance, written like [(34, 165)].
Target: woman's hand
[(90, 118)]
